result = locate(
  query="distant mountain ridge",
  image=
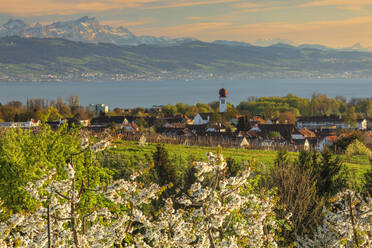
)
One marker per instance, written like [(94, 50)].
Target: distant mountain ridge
[(84, 29), (89, 30), (54, 59)]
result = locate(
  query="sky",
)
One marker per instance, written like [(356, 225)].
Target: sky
[(335, 23)]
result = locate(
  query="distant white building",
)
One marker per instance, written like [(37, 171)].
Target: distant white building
[(317, 122), (201, 119), (98, 109), (26, 124), (361, 124)]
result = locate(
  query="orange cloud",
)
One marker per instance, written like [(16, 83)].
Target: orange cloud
[(332, 33), (56, 7), (186, 30), (188, 3), (196, 18), (126, 23), (67, 7), (349, 4), (256, 7), (247, 5)]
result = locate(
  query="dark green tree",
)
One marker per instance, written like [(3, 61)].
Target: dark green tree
[(233, 167), (244, 123), (331, 174), (165, 170)]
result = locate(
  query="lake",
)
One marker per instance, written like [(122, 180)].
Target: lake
[(128, 94)]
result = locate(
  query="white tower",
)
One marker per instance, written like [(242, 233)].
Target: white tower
[(223, 103)]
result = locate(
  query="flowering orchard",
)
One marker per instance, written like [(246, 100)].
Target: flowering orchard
[(221, 214), (75, 209)]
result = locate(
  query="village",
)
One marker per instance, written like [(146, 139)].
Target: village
[(206, 129)]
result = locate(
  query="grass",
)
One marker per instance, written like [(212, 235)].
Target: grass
[(358, 164), (199, 153)]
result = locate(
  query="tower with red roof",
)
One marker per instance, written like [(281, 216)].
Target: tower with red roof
[(223, 103)]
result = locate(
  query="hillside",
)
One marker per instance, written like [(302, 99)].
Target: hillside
[(24, 59)]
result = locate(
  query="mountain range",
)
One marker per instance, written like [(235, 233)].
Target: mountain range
[(84, 29), (55, 59), (88, 29)]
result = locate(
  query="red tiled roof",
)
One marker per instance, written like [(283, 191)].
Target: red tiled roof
[(258, 119), (306, 133), (333, 138)]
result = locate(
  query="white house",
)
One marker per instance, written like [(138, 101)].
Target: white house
[(325, 142), (361, 124), (201, 119)]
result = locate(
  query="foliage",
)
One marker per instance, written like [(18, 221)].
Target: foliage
[(350, 117), (268, 105), (344, 141), (328, 170), (299, 202), (367, 180), (273, 135), (303, 187), (358, 148), (164, 170), (287, 118), (244, 123), (27, 156)]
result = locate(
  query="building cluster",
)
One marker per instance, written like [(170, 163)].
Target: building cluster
[(309, 132)]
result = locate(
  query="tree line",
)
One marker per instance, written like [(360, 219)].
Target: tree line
[(284, 109)]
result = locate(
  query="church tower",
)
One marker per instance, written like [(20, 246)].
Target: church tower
[(223, 103)]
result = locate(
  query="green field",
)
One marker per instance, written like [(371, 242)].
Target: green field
[(181, 154)]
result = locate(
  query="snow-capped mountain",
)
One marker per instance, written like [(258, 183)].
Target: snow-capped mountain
[(358, 47), (84, 29)]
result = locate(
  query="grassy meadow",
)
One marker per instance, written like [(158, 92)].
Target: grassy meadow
[(181, 155)]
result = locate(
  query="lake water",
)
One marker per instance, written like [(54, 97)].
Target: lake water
[(129, 94)]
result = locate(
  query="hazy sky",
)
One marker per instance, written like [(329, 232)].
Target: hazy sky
[(335, 23)]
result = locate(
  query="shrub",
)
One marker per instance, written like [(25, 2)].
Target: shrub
[(358, 148)]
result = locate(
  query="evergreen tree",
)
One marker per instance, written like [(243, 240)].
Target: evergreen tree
[(165, 171), (244, 123), (331, 174), (327, 169)]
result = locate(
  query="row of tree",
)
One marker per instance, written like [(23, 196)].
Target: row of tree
[(44, 110), (283, 108)]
